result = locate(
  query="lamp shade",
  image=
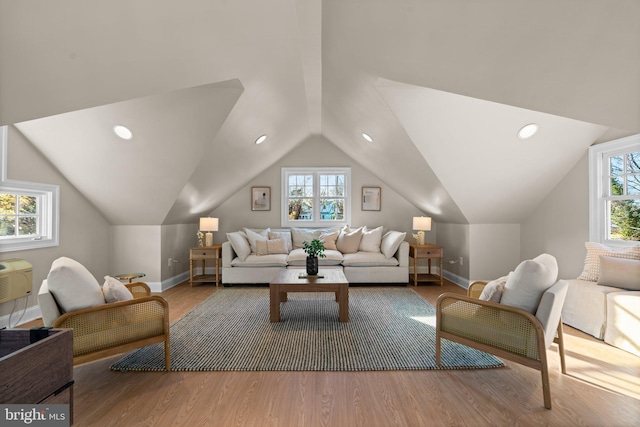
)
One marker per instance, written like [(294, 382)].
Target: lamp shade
[(422, 223), (208, 224)]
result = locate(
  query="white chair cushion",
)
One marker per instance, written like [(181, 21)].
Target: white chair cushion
[(114, 291), (529, 280), (73, 286)]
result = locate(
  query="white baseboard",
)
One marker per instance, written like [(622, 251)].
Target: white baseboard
[(158, 287), (32, 313), (458, 280)]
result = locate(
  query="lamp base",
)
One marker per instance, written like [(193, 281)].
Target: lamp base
[(208, 239), (420, 238)]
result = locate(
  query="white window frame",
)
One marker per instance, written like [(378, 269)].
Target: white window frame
[(599, 187), (48, 206), (316, 172)]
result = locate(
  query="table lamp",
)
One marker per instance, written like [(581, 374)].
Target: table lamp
[(208, 225), (422, 224)]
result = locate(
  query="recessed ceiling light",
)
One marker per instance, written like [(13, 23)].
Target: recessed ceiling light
[(528, 131), (261, 139), (367, 137), (123, 132)]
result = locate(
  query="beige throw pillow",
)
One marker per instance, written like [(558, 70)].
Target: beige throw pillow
[(371, 239), (115, 291), (268, 247), (349, 240), (285, 235), (494, 289), (591, 270), (253, 237), (620, 273), (330, 239)]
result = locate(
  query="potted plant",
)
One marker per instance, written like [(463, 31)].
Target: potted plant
[(314, 250)]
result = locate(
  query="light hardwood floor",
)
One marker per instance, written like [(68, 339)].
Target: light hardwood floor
[(602, 388)]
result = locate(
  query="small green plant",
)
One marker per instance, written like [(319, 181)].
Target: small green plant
[(315, 248)]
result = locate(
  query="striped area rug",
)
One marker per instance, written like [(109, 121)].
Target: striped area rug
[(389, 329)]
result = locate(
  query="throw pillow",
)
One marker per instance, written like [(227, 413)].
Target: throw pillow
[(330, 239), (115, 291), (591, 270), (285, 235), (73, 286), (529, 280), (391, 242), (240, 244), (371, 239), (253, 236), (494, 289), (620, 273), (349, 240), (275, 246), (300, 235)]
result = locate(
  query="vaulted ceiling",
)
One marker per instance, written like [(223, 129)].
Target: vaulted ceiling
[(441, 86)]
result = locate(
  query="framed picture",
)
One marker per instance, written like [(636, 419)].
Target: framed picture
[(371, 198), (260, 198)]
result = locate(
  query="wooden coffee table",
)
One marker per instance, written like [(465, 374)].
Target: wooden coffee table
[(290, 280)]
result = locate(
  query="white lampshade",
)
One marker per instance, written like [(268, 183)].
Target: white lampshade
[(208, 224), (422, 223)]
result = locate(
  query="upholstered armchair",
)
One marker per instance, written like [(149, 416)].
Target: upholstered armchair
[(123, 318), (514, 333)]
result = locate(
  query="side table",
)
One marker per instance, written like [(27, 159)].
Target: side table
[(211, 253), (428, 251)]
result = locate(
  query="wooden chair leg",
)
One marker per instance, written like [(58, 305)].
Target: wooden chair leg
[(560, 341)]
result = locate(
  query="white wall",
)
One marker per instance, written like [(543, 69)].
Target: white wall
[(494, 250), (137, 248), (176, 241), (396, 213), (84, 232), (454, 239), (560, 224)]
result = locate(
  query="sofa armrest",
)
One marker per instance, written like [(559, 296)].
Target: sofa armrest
[(228, 254), (402, 254)]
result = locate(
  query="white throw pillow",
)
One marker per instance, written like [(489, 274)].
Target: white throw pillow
[(73, 286), (349, 240), (253, 236), (371, 240), (494, 289), (591, 270), (620, 273), (115, 291), (330, 240), (300, 235), (391, 242), (240, 244), (529, 280)]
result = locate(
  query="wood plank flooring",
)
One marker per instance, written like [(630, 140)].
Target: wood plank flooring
[(602, 388)]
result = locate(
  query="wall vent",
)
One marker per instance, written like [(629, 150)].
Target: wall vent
[(16, 279)]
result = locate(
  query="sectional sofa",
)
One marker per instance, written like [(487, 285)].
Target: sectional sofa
[(365, 255)]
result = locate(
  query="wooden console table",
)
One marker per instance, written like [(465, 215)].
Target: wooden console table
[(428, 251), (36, 367), (211, 253)]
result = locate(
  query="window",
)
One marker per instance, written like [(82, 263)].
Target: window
[(315, 197), (28, 211), (615, 191)]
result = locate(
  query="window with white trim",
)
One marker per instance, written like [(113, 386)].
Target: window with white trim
[(316, 197), (28, 211), (614, 169)]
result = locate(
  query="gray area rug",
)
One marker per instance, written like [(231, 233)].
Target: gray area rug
[(389, 329)]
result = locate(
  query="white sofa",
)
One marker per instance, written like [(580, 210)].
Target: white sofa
[(605, 299), (377, 257)]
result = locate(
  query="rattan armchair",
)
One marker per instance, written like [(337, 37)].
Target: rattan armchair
[(117, 327), (507, 332)]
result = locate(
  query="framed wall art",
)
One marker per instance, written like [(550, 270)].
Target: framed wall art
[(260, 198), (371, 198)]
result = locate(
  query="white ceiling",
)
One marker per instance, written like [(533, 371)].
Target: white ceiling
[(442, 86)]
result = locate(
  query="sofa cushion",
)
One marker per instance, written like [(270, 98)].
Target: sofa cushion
[(275, 246), (298, 257), (591, 270), (369, 259), (529, 280), (253, 237), (349, 240), (285, 235), (73, 286), (330, 239), (371, 240), (114, 291), (240, 244), (620, 273), (253, 260), (391, 242)]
